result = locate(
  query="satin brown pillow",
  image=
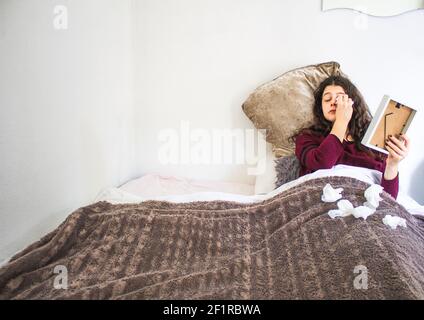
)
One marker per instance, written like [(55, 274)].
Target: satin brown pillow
[(285, 104)]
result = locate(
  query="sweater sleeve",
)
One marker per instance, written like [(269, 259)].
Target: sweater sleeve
[(314, 155), (391, 186)]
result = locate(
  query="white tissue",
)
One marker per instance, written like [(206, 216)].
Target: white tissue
[(393, 222), (363, 212), (372, 194), (345, 209), (329, 194)]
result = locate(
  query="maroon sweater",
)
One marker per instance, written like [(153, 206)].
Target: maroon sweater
[(319, 152)]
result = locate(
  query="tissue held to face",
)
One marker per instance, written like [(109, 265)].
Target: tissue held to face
[(336, 104)]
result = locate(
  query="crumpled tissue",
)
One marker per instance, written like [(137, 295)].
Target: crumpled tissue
[(393, 221), (372, 194), (346, 209), (363, 212), (329, 194)]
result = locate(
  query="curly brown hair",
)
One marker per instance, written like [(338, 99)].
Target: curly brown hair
[(358, 125)]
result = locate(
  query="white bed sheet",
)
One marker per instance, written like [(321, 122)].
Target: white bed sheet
[(153, 185), (122, 195)]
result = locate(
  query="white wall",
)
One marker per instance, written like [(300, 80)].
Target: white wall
[(199, 60), (66, 117)]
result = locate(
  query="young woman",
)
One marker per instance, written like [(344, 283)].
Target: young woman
[(341, 120)]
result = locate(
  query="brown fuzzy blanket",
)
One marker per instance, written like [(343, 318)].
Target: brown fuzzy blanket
[(286, 247)]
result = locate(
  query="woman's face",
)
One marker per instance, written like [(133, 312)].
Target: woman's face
[(329, 101)]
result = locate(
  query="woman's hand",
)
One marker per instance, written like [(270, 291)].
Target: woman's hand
[(344, 108), (398, 150)]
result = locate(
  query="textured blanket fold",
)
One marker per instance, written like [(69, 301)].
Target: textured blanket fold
[(286, 247)]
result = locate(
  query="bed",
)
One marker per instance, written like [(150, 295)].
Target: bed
[(220, 245)]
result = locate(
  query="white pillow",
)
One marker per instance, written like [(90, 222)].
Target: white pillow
[(265, 182)]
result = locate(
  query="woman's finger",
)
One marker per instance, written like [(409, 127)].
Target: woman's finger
[(394, 154), (406, 140), (391, 152), (395, 148), (398, 143)]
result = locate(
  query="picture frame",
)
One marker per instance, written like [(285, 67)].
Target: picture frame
[(391, 118)]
